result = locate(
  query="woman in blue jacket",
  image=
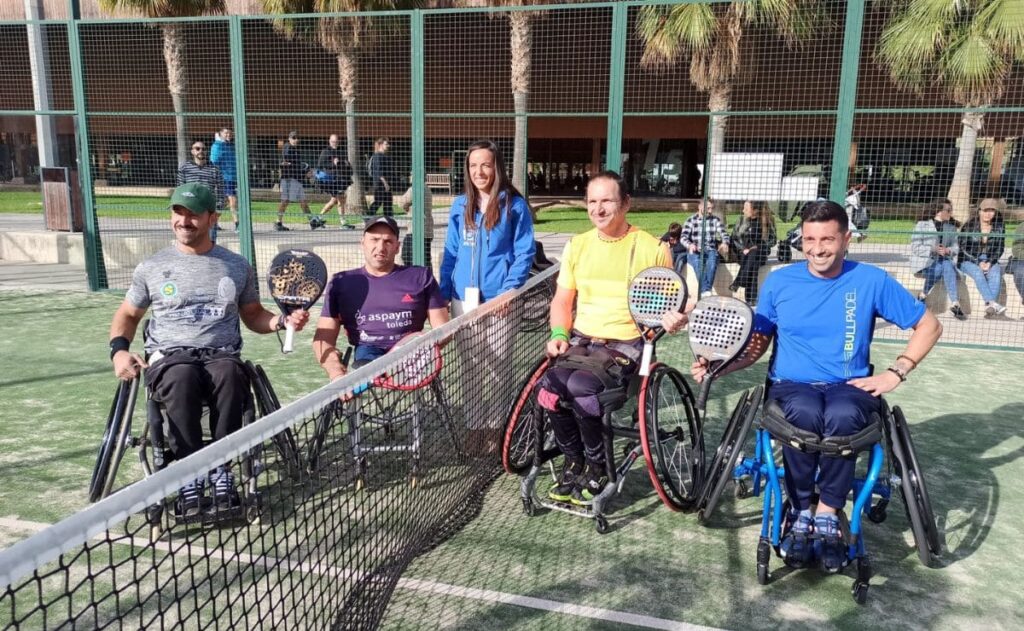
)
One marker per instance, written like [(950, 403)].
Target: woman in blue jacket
[(488, 250)]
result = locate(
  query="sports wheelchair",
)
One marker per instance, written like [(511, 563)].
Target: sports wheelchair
[(154, 453), (892, 463), (654, 415), (375, 415)]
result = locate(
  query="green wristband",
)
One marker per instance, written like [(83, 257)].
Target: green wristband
[(559, 333)]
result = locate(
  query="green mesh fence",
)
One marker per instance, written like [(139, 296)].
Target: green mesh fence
[(811, 100)]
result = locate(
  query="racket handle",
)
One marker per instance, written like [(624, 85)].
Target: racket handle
[(289, 338), (705, 389), (645, 361)]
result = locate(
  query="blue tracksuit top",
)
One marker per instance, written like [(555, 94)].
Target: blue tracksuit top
[(503, 255), (222, 155)]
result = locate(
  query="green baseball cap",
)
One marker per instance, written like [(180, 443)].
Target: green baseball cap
[(194, 196)]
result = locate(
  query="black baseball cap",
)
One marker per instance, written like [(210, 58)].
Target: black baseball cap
[(382, 221)]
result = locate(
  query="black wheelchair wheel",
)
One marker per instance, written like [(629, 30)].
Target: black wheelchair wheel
[(914, 491), (537, 306), (722, 465), (518, 446), (670, 436), (266, 403), (116, 437)]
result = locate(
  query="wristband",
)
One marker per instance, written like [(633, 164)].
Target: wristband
[(913, 364), (118, 344), (559, 333), (899, 373)]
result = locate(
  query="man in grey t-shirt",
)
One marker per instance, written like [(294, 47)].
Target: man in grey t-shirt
[(199, 293)]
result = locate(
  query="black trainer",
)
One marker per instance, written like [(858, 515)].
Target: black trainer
[(280, 227), (589, 485), (561, 491)]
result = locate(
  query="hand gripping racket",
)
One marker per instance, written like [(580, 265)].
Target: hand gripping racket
[(652, 293), (296, 279), (719, 330)]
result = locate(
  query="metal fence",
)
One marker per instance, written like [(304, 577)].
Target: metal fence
[(689, 100)]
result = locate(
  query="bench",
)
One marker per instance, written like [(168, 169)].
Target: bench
[(440, 181)]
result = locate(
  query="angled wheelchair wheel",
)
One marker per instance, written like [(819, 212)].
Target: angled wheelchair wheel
[(728, 452), (670, 436), (912, 487), (267, 402), (116, 437), (517, 446)]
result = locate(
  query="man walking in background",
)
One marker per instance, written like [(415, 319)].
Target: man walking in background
[(335, 175), (206, 173), (222, 155), (293, 169), (383, 177)]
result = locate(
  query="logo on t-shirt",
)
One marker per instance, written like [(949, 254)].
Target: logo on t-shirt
[(169, 289), (407, 298)]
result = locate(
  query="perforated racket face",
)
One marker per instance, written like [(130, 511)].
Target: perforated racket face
[(719, 328), (416, 370), (297, 279), (654, 292)]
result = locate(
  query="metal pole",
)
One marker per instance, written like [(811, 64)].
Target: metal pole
[(419, 177), (847, 101), (616, 87), (38, 57), (94, 266), (245, 236)]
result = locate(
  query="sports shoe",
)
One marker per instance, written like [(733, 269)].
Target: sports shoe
[(280, 227), (957, 312), (225, 495), (734, 287), (316, 222), (829, 547), (921, 296), (989, 309), (705, 294), (561, 491), (796, 547), (589, 485), (236, 226), (190, 499), (999, 309)]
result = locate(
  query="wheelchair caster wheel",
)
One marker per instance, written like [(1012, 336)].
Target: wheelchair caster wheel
[(252, 514), (860, 592), (601, 524), (360, 483), (414, 481), (742, 491), (764, 553), (155, 532), (877, 513), (528, 508)]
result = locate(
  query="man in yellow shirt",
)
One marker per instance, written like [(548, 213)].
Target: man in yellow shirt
[(597, 267)]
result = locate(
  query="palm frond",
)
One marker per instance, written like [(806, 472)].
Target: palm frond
[(973, 69), (166, 8), (669, 32), (1003, 23), (910, 47)]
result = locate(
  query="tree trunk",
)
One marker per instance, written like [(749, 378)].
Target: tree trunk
[(718, 101), (960, 188), (521, 42), (177, 84), (355, 199)]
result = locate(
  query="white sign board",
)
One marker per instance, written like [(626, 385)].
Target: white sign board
[(799, 188), (741, 176)]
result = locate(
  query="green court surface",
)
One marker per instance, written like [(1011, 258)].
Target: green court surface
[(505, 570)]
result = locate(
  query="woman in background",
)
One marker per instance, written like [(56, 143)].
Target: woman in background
[(753, 239), (982, 241), (933, 249)]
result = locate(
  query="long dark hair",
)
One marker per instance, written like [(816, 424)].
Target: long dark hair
[(932, 208), (500, 185)]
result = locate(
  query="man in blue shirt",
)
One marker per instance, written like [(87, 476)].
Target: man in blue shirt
[(822, 316), (223, 156)]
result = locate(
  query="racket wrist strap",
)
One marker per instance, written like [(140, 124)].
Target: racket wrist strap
[(280, 325), (559, 333), (118, 344)]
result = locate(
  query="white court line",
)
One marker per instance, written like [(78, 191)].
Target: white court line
[(412, 584)]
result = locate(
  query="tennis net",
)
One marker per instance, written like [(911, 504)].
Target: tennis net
[(336, 496)]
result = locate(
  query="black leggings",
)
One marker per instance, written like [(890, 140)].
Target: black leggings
[(747, 277)]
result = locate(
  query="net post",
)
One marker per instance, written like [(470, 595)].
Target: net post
[(847, 104), (616, 86), (419, 177), (245, 237)]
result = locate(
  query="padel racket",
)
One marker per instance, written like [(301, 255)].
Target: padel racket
[(297, 278), (719, 330), (416, 371), (652, 293)]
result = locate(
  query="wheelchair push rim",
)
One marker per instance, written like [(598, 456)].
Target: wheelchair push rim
[(673, 446), (733, 438), (266, 403), (115, 439), (916, 500), (517, 448)]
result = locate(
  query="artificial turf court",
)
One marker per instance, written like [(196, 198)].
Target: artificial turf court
[(654, 567)]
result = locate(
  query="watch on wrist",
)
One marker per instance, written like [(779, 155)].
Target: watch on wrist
[(899, 373)]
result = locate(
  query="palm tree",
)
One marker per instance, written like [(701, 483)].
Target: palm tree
[(965, 46), (174, 51), (347, 37), (712, 35)]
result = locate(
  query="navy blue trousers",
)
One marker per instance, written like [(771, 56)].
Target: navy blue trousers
[(836, 409)]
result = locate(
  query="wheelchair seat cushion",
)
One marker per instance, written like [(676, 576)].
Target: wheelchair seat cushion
[(774, 421)]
